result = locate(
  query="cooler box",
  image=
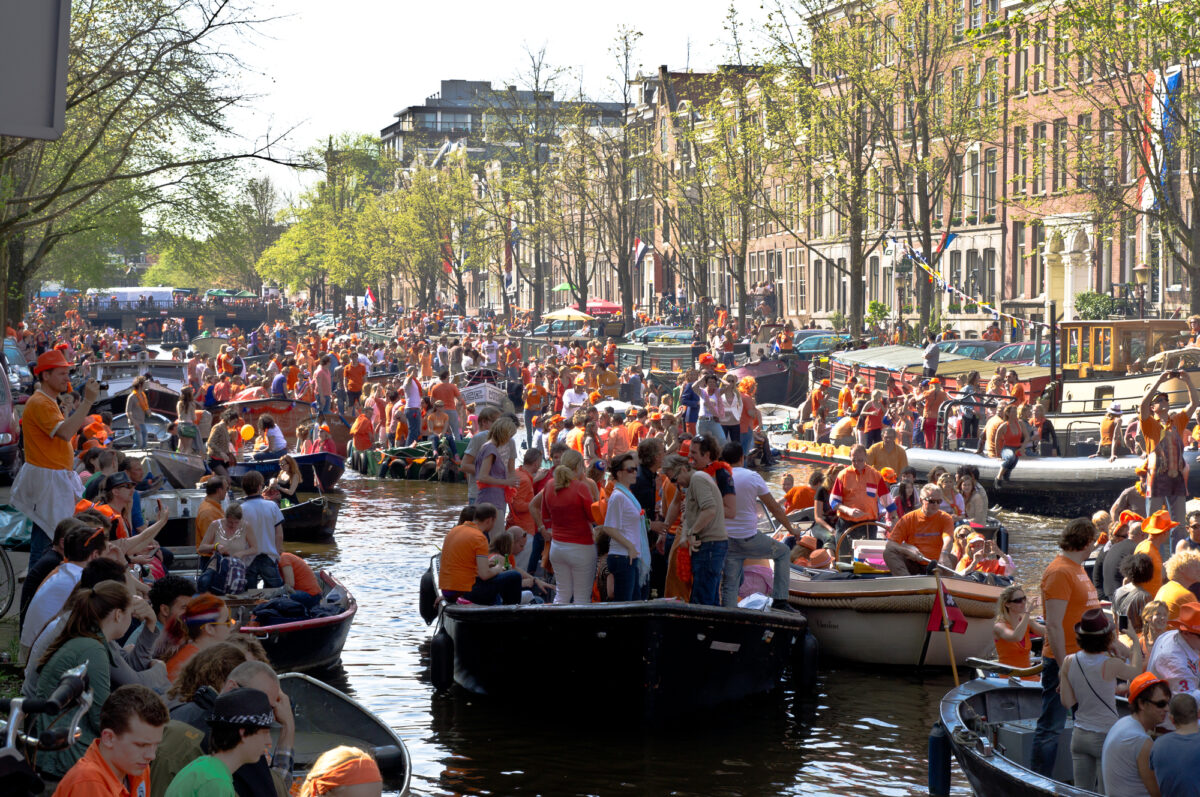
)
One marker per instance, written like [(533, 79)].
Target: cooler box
[(485, 393)]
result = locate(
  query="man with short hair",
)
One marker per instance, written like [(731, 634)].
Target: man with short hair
[(212, 508), (240, 734), (263, 522), (51, 559), (1175, 757), (1164, 433), (466, 571), (857, 492), (703, 528), (169, 596), (887, 453), (1068, 593), (921, 538), (745, 540), (450, 396), (117, 761)]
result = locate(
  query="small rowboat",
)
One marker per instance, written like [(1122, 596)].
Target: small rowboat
[(304, 644), (881, 619), (326, 718), (319, 472)]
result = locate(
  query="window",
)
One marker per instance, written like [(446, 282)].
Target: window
[(973, 277), (1019, 56), (1038, 266), (818, 294), (1085, 59), (1038, 178), (816, 207), (1083, 146), (1062, 54), (889, 40), (1038, 69), (1107, 154), (841, 282), (1129, 144), (992, 81), (830, 276), (1129, 242), (955, 275), (1019, 259), (795, 281), (989, 184), (1060, 154), (987, 288), (873, 280), (972, 185), (1020, 159)]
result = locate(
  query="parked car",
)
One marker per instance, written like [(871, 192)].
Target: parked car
[(557, 328), (10, 429), (815, 345), (20, 376), (975, 349), (673, 336), (641, 334), (1021, 354)]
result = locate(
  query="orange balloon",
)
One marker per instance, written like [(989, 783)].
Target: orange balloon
[(247, 432)]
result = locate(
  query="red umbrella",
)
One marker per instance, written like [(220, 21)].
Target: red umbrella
[(600, 306)]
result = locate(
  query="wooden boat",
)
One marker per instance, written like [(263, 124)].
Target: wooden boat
[(1058, 486), (881, 619), (326, 718), (182, 471), (319, 472), (165, 378), (660, 657), (304, 644), (312, 519), (988, 724), (289, 414), (208, 345)]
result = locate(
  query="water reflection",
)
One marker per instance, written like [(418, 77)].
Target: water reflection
[(864, 733)]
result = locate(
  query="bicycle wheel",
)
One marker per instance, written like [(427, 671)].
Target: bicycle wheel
[(8, 583)]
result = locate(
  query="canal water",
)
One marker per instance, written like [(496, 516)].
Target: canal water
[(863, 733)]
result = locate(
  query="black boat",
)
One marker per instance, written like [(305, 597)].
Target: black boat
[(326, 717), (988, 724), (664, 656), (304, 644), (319, 472), (314, 519)]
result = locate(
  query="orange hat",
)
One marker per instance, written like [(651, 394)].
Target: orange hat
[(50, 359), (685, 448), (720, 368), (1143, 682), (935, 381), (820, 558), (889, 475), (556, 419), (707, 358), (656, 416), (807, 541), (595, 396), (975, 536), (1189, 618), (534, 420), (824, 383), (1128, 516), (1159, 523), (325, 428), (581, 380)]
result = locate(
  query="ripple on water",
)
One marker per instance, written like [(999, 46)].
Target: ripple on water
[(864, 733)]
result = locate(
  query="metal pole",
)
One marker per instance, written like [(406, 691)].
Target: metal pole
[(1053, 356)]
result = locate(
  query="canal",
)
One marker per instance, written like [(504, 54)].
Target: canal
[(863, 733)]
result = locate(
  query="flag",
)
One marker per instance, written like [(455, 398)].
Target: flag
[(947, 239), (370, 299), (1160, 130), (639, 251), (958, 621)]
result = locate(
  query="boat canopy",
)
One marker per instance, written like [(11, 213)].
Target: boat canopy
[(911, 360)]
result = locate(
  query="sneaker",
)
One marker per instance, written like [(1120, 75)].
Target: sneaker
[(782, 605)]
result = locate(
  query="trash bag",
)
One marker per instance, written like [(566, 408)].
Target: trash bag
[(15, 528)]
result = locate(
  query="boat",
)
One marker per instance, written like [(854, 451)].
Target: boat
[(881, 619), (417, 461), (988, 724), (289, 414), (182, 471), (319, 472), (326, 718), (1057, 486), (781, 381), (312, 517), (165, 379), (208, 345), (302, 645), (661, 657)]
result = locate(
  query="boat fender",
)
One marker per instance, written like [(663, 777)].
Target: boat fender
[(804, 664), (939, 761), (389, 757), (428, 597), (441, 661)]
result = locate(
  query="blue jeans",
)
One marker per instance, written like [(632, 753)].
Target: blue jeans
[(707, 564), (529, 416), (453, 430), (39, 543), (413, 418), (536, 546), (709, 426), (263, 567), (760, 546), (625, 579), (1051, 721), (259, 456), (747, 442), (324, 404)]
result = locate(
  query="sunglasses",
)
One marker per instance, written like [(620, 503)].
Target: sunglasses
[(932, 500), (123, 487), (230, 622), (629, 470), (1159, 703), (1018, 600)]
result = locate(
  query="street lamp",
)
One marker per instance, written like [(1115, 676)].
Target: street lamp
[(1141, 275)]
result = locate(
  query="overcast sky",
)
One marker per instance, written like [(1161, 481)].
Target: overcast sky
[(348, 66)]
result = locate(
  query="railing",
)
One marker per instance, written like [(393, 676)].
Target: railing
[(155, 305)]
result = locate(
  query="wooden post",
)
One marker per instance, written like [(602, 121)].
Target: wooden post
[(946, 626)]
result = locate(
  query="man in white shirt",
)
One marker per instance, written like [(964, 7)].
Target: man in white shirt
[(263, 522), (1176, 654), (490, 348), (81, 544), (575, 397), (745, 540)]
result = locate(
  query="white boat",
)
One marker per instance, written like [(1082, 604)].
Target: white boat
[(881, 619), (165, 379)]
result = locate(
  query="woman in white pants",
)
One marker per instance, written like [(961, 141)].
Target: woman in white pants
[(565, 505)]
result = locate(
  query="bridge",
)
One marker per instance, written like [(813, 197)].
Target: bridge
[(245, 313)]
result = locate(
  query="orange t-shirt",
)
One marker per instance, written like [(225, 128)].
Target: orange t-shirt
[(575, 439), (447, 393), (534, 395), (799, 497), (91, 776), (1149, 547), (293, 377), (1018, 394), (462, 546), (354, 374), (927, 533), (1014, 654), (302, 575), (1064, 580), (1151, 429), (362, 432), (42, 448), (934, 399)]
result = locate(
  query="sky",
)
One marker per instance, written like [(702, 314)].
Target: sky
[(324, 67)]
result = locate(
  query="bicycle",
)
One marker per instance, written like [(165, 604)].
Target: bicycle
[(18, 777), (8, 582)]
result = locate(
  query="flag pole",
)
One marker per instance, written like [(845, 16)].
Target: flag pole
[(946, 626)]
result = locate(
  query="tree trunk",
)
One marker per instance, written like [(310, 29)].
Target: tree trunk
[(856, 274)]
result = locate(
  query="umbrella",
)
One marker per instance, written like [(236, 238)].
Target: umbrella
[(600, 306), (245, 295), (567, 314), (563, 286), (218, 292)]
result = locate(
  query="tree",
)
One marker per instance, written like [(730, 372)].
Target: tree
[(147, 91)]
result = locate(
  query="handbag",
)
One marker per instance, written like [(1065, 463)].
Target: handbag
[(188, 430)]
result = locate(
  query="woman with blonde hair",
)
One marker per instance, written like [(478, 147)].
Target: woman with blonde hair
[(343, 772), (567, 503), (952, 502), (1015, 627), (491, 466)]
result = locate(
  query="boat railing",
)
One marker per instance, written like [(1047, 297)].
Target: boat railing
[(1076, 431)]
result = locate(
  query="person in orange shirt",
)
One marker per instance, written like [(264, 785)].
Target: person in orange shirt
[(858, 491), (362, 431), (1157, 528), (1164, 434), (1016, 390), (817, 397), (117, 762), (921, 537), (535, 401), (846, 396), (801, 496), (1068, 593), (931, 401), (353, 375)]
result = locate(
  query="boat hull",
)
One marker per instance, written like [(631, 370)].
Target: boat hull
[(289, 414), (314, 518), (783, 381), (183, 471), (319, 472), (882, 620), (665, 655)]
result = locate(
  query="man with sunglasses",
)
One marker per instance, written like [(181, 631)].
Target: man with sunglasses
[(1176, 654), (921, 538), (703, 528), (47, 486)]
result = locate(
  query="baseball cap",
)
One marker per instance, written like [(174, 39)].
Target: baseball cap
[(243, 706), (1142, 683)]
